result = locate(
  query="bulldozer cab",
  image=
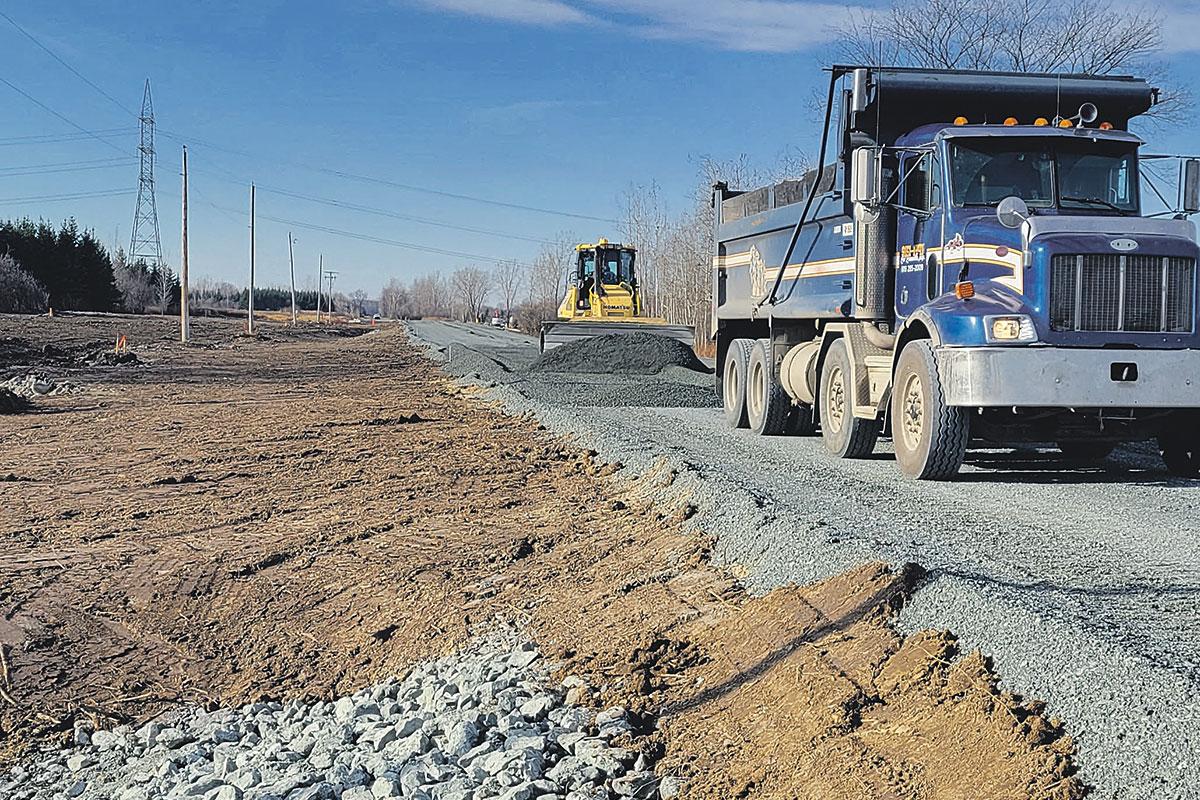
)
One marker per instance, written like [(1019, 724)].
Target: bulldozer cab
[(605, 282)]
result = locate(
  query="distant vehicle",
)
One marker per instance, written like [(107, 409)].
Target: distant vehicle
[(975, 265), (604, 298), (498, 322)]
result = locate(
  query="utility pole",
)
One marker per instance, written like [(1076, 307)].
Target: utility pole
[(250, 295), (330, 274), (185, 322), (292, 267), (320, 278)]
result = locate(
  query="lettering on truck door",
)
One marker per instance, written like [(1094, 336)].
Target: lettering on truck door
[(919, 230)]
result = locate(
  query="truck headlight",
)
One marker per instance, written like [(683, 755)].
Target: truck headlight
[(1010, 329)]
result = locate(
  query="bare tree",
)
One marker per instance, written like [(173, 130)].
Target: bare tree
[(509, 277), (646, 228), (547, 282), (429, 296), (393, 300), (20, 292), (1093, 37), (165, 287), (471, 287), (134, 282)]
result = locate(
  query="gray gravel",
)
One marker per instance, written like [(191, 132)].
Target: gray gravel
[(483, 723), (1082, 582)]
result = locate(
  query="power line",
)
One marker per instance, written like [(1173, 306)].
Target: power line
[(50, 110), (57, 138), (15, 172), (364, 237), (394, 215), (73, 196), (190, 140), (72, 70)]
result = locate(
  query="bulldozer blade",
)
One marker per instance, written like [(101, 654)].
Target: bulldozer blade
[(555, 334)]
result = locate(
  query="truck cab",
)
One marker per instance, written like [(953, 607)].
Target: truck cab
[(999, 280)]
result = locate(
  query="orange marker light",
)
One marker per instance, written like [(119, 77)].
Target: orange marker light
[(1010, 121), (1041, 122), (1066, 123), (964, 290), (1106, 126), (960, 120)]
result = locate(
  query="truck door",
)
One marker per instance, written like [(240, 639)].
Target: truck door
[(918, 233)]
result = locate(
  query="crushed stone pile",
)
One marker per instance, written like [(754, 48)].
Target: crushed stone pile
[(480, 724), (32, 385), (631, 353)]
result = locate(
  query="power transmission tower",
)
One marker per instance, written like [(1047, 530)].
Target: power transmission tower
[(146, 245)]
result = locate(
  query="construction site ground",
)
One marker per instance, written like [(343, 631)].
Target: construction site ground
[(309, 511)]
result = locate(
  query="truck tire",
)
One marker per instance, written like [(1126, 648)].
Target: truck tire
[(845, 435), (1087, 452), (733, 383), (930, 436), (802, 421), (767, 404), (1182, 457)]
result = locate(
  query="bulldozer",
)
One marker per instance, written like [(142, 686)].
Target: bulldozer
[(603, 298)]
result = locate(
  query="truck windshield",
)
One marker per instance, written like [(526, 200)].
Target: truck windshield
[(1074, 173)]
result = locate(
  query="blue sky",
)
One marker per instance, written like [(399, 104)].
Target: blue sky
[(553, 104)]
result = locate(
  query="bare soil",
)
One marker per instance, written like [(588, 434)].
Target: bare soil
[(309, 511)]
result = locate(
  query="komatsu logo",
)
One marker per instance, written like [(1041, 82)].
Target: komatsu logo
[(758, 273)]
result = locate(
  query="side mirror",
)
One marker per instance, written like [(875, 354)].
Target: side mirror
[(1190, 186), (1012, 211), (865, 180)]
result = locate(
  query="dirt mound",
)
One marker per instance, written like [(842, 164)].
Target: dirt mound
[(110, 358), (11, 403), (619, 353)]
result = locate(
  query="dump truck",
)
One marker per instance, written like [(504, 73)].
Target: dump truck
[(970, 263), (603, 297)]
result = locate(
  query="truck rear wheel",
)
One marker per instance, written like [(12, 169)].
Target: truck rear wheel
[(930, 436), (1181, 457), (767, 404), (845, 435), (802, 421), (733, 383)]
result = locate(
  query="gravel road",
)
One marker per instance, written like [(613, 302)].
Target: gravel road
[(1081, 582)]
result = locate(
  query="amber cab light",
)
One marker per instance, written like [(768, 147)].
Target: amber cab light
[(964, 290)]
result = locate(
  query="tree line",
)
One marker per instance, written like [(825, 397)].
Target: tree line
[(45, 267)]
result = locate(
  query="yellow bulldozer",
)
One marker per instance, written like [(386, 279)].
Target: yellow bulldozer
[(603, 298)]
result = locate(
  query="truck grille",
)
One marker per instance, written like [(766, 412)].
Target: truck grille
[(1102, 292)]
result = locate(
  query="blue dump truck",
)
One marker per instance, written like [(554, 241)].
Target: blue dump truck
[(970, 265)]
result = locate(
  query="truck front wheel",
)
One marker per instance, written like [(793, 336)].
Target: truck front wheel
[(930, 436), (845, 435)]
